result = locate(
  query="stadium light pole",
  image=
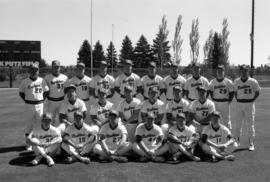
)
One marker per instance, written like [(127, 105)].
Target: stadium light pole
[(91, 35), (252, 39)]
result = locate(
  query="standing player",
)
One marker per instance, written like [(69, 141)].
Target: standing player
[(247, 90), (152, 79), (79, 140), (129, 110), (216, 138), (102, 81), (45, 140), (200, 110), (128, 78), (33, 90), (69, 106), (81, 81), (113, 144), (55, 82), (153, 105), (195, 81), (221, 91), (99, 111), (172, 80)]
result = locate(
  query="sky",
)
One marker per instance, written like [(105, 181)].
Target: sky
[(62, 25)]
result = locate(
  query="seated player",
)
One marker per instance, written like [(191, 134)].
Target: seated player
[(113, 144), (216, 139), (182, 139), (129, 111), (69, 106), (149, 139), (45, 140), (79, 140), (99, 112)]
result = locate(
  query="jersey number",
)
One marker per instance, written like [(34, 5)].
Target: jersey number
[(84, 87), (82, 139), (222, 91), (247, 91), (38, 90), (116, 139), (218, 140), (60, 86), (204, 113)]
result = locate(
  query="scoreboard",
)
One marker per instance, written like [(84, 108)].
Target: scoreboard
[(19, 53)]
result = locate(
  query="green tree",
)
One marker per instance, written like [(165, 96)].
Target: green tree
[(98, 54), (85, 53), (177, 41), (217, 51), (111, 55), (225, 42), (127, 50), (194, 41), (208, 47), (161, 46), (143, 53), (43, 63)]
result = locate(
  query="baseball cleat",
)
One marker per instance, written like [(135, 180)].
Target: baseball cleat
[(251, 147), (36, 161), (29, 148), (85, 160), (195, 158), (159, 159), (176, 156), (120, 159), (50, 161), (143, 159), (230, 157)]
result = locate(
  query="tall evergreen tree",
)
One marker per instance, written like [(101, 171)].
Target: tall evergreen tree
[(161, 46), (194, 41), (111, 55), (143, 53), (85, 53), (225, 42), (208, 47), (127, 50), (215, 55), (98, 54), (177, 41)]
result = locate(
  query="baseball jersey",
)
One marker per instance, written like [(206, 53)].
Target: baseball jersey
[(128, 108), (221, 89), (132, 80), (113, 136), (177, 107), (56, 85), (82, 86), (33, 89), (149, 137), (46, 136), (169, 83), (156, 108), (80, 135), (147, 82), (68, 109), (220, 136), (99, 82), (184, 136), (102, 112), (202, 110), (192, 84), (247, 89)]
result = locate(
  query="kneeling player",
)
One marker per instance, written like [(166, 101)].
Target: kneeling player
[(45, 141), (216, 138), (182, 139), (149, 139), (79, 140), (113, 143)]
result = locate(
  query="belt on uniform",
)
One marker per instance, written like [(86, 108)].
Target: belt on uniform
[(86, 99), (34, 102), (190, 99), (169, 99), (55, 99), (204, 124), (220, 100), (244, 100)]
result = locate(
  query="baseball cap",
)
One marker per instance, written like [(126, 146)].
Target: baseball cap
[(78, 113), (221, 67), (80, 64), (34, 66), (243, 67), (201, 88), (113, 112), (55, 63), (150, 115), (181, 115), (128, 88), (153, 89), (47, 117), (128, 62), (177, 88), (194, 65), (103, 63), (152, 64), (215, 113), (71, 86)]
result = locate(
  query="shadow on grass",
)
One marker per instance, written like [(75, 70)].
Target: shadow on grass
[(240, 150), (12, 149), (22, 161)]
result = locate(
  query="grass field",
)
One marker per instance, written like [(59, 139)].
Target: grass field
[(248, 166)]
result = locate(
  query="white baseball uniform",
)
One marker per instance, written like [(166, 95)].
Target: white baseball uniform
[(192, 84), (147, 82), (33, 91), (174, 107), (101, 111), (170, 82), (245, 107), (221, 90), (106, 82), (156, 108), (56, 94)]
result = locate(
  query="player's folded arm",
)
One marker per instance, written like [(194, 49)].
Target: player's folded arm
[(173, 139), (134, 116), (95, 120), (62, 118)]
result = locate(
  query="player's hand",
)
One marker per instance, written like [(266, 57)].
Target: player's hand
[(222, 147)]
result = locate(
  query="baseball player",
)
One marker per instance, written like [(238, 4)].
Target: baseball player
[(69, 106), (128, 78), (45, 140), (221, 91), (200, 110), (113, 144), (182, 139), (153, 105), (216, 139), (129, 110), (102, 80), (33, 90), (195, 81), (82, 82), (55, 82), (247, 91), (79, 140), (172, 80), (99, 111), (149, 138), (152, 79)]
